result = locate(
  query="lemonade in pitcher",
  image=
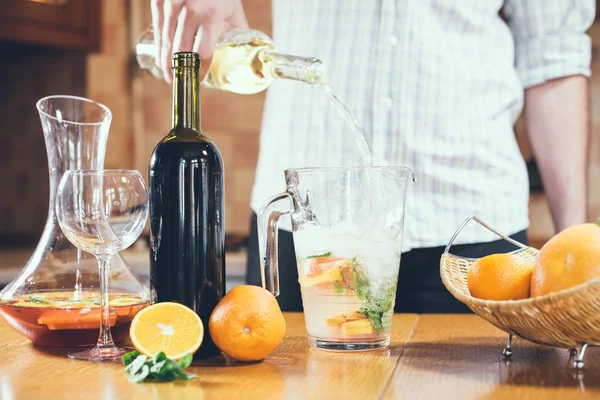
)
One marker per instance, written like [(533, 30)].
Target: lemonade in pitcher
[(347, 224), (348, 284)]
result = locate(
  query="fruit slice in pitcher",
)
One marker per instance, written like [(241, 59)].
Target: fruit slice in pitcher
[(358, 327), (325, 271), (331, 275), (339, 319), (316, 265)]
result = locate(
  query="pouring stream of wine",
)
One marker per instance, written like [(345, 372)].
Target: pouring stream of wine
[(357, 133)]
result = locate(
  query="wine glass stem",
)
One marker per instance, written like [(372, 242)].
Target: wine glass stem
[(105, 337)]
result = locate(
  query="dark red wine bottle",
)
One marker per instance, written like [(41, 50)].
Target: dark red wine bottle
[(187, 236)]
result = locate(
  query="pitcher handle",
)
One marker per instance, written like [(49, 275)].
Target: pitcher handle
[(267, 221)]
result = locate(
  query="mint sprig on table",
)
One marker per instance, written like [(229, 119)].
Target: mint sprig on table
[(159, 368), (377, 306)]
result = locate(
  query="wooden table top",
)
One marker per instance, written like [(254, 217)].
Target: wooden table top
[(431, 357)]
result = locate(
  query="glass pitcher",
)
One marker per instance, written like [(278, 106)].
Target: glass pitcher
[(347, 225), (55, 299)]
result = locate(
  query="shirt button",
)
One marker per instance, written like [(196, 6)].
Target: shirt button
[(393, 40), (388, 103)]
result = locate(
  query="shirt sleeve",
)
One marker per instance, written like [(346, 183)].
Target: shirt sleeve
[(550, 38)]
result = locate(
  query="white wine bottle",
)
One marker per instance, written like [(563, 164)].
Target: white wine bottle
[(244, 62)]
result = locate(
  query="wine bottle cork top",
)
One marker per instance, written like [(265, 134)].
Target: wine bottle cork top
[(186, 59)]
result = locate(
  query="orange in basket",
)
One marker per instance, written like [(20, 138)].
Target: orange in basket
[(500, 277), (570, 258)]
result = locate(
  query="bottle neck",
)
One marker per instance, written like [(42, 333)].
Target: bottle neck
[(186, 99), (305, 69)]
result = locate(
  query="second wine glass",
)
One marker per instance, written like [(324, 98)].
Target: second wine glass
[(102, 212)]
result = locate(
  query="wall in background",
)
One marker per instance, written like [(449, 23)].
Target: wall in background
[(27, 75), (108, 82)]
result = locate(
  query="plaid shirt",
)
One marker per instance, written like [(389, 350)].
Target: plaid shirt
[(436, 85)]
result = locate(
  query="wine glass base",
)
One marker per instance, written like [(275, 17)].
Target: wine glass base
[(98, 353)]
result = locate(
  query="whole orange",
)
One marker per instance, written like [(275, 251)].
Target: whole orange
[(500, 277), (570, 258), (247, 324)]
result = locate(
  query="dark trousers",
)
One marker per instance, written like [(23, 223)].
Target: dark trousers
[(420, 287)]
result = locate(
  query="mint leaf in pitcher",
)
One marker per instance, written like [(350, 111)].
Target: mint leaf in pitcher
[(320, 255), (378, 304)]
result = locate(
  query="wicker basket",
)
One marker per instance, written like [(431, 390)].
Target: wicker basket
[(566, 319)]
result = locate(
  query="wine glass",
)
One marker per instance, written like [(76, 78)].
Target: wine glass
[(102, 212)]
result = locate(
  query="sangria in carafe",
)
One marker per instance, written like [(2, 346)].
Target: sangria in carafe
[(55, 300), (62, 319)]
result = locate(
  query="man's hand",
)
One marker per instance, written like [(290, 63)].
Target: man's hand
[(192, 25), (557, 114)]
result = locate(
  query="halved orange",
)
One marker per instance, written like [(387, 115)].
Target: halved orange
[(171, 328)]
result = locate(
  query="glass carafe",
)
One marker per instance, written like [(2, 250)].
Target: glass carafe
[(347, 225), (55, 299)]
